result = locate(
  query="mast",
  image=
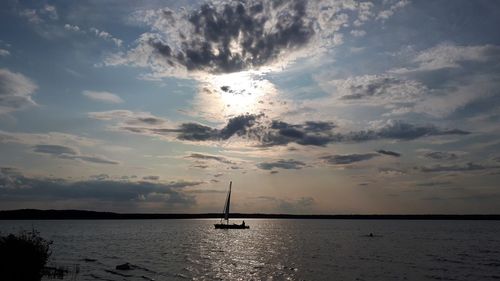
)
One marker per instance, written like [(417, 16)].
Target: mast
[(225, 211), (228, 202)]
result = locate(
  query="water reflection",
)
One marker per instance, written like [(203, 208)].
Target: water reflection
[(274, 249), (242, 254)]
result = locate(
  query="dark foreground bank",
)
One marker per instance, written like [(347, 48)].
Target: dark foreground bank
[(31, 214)]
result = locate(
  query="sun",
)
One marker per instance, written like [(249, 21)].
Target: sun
[(241, 92)]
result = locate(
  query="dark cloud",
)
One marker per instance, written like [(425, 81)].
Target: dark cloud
[(151, 120), (309, 133), (347, 158), (99, 177), (370, 88), (20, 187), (238, 125), (282, 164), (65, 152), (151, 178), (400, 130), (388, 152), (209, 157), (441, 155), (275, 132), (238, 35), (321, 134), (467, 167), (54, 149)]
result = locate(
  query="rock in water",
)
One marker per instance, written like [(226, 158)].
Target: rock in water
[(125, 266)]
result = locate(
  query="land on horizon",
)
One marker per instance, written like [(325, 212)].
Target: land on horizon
[(35, 214)]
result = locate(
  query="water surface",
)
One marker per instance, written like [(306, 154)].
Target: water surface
[(274, 249)]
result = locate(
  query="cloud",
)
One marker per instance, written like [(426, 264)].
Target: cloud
[(379, 89), (347, 158), (441, 155), (147, 124), (261, 131), (205, 191), (65, 152), (385, 14), (99, 177), (447, 55), (103, 96), (289, 164), (50, 11), (151, 178), (134, 122), (390, 172), (225, 37), (467, 167), (92, 159), (238, 125), (231, 36), (358, 33), (37, 16), (74, 28), (56, 150), (396, 129), (106, 36), (388, 152), (31, 15), (20, 187), (4, 53), (434, 183), (299, 205), (46, 139), (210, 157), (16, 91)]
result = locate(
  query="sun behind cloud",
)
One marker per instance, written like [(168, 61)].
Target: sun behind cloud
[(232, 94)]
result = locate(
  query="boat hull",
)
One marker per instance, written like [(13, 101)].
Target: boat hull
[(230, 226)]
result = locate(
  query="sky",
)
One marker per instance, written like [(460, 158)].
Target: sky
[(308, 107)]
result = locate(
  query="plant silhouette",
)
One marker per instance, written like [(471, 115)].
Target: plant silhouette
[(23, 256)]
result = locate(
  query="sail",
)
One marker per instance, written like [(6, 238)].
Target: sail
[(228, 202)]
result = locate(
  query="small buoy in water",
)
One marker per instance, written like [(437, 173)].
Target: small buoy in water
[(371, 234)]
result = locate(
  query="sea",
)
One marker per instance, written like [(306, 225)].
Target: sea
[(272, 249)]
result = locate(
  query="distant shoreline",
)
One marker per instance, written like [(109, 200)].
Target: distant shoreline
[(33, 214)]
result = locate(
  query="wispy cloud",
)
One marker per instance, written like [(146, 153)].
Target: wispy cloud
[(16, 91), (467, 167), (4, 53), (65, 152), (388, 152), (347, 158), (102, 96), (282, 164)]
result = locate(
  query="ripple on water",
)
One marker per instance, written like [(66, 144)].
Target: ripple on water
[(275, 249)]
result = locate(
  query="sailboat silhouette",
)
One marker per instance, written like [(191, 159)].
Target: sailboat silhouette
[(224, 221)]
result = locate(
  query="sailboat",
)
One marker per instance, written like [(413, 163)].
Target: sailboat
[(224, 221)]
